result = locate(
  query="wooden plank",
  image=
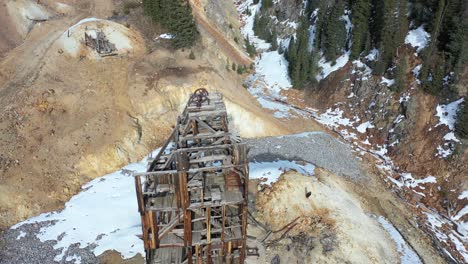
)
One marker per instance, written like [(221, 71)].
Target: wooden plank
[(218, 134), (205, 148), (221, 112), (169, 227), (210, 159), (156, 229), (205, 125), (139, 195), (163, 148), (208, 224)]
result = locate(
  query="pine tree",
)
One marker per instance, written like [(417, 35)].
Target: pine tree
[(274, 40), (281, 48), (400, 74), (314, 69), (334, 32), (402, 21), (388, 36), (267, 4), (250, 48), (302, 67), (461, 125), (192, 55), (360, 18), (175, 15)]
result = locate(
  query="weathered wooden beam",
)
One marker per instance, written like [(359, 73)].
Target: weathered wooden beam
[(139, 194), (169, 227), (163, 148)]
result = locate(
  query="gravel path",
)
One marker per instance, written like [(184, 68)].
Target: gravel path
[(21, 246), (317, 148)]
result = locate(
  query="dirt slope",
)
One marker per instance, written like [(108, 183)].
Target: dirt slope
[(66, 120), (9, 36)]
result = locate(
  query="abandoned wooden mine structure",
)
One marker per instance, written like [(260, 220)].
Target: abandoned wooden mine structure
[(193, 198), (100, 43)]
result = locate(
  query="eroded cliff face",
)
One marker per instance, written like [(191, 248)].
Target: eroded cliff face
[(404, 126)]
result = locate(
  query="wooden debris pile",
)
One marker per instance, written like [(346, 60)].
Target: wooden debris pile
[(100, 43)]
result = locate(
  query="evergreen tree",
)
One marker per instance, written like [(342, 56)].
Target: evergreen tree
[(400, 74), (388, 35), (333, 40), (267, 4), (175, 15), (402, 21), (360, 18), (260, 27), (280, 48), (274, 40), (250, 48), (461, 126), (192, 55), (422, 12), (302, 65)]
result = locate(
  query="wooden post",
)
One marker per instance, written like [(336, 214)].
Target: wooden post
[(182, 167), (188, 234), (154, 229), (139, 194), (208, 235), (229, 251), (244, 233), (197, 254), (145, 231)]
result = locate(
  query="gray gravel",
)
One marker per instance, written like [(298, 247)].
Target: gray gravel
[(30, 250), (317, 148)]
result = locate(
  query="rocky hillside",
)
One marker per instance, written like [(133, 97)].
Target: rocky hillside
[(389, 77)]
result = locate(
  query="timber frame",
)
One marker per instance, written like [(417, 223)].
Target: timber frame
[(193, 198)]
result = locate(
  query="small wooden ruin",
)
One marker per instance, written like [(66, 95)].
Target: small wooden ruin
[(193, 198), (100, 43)]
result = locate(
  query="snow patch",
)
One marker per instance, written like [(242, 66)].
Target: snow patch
[(387, 82), (463, 195), (408, 256), (334, 118), (417, 70), (75, 258), (373, 55), (105, 214), (21, 235), (271, 171), (273, 67), (442, 152), (451, 137), (418, 38), (165, 36), (328, 68), (447, 113), (410, 182), (364, 126), (248, 20)]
